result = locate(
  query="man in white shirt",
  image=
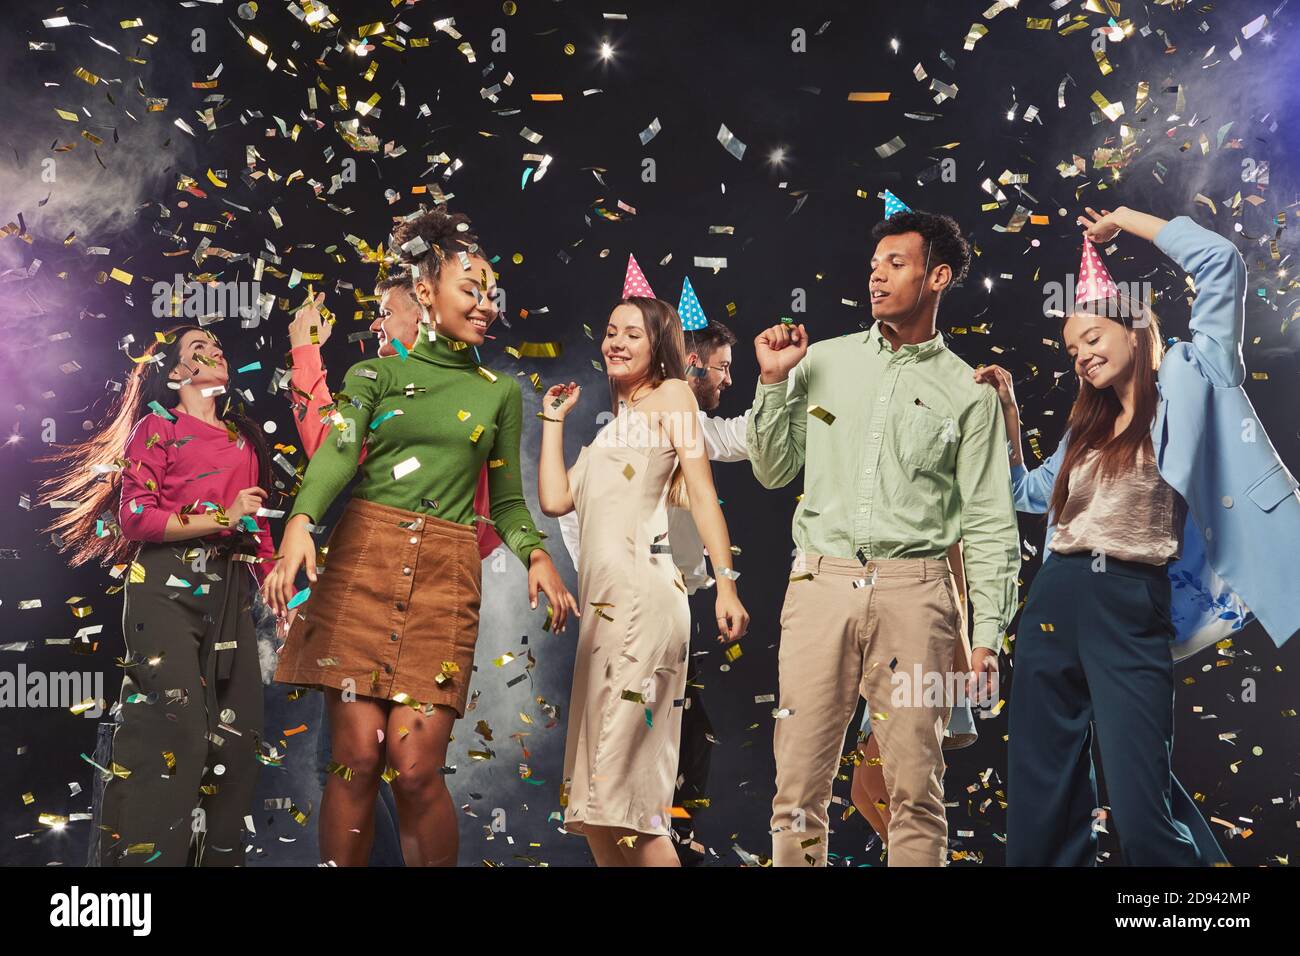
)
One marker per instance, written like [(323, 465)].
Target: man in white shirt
[(708, 372)]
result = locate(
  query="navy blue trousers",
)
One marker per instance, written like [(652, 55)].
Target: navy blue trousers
[(1092, 657)]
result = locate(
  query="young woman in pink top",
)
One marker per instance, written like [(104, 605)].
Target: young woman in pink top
[(184, 517)]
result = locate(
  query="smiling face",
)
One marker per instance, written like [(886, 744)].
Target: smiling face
[(1102, 349), (463, 301), (200, 360), (399, 318), (708, 388), (898, 276), (626, 346)]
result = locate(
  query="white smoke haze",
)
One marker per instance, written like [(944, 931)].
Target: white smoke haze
[(140, 152)]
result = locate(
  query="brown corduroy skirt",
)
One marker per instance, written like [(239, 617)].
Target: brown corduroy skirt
[(393, 612)]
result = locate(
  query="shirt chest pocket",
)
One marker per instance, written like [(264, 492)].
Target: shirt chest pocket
[(924, 439)]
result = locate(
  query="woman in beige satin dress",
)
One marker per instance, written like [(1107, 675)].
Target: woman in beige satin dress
[(629, 681)]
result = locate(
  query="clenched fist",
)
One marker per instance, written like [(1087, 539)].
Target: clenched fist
[(778, 350)]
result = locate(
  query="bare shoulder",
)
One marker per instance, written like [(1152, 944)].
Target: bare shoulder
[(672, 395)]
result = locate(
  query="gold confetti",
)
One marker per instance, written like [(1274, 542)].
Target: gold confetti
[(1112, 111), (540, 349), (816, 411)]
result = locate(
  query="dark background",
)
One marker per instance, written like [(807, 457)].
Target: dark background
[(798, 225)]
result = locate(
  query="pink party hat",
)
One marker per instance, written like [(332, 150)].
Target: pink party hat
[(1095, 283), (634, 282)]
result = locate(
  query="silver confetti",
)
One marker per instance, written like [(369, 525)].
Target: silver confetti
[(651, 131), (729, 142), (885, 150)]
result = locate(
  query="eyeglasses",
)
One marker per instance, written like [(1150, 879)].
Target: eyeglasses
[(724, 369)]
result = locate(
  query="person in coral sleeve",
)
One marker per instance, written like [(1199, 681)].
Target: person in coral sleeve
[(397, 326), (189, 523)]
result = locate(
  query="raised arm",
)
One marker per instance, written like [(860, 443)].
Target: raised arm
[(307, 333), (779, 417), (1030, 490), (1219, 312), (310, 394), (554, 495)]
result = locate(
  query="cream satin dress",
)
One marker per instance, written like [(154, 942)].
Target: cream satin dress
[(629, 677)]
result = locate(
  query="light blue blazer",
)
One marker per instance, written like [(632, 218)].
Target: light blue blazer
[(1241, 543)]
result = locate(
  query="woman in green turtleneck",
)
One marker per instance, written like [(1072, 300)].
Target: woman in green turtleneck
[(393, 619)]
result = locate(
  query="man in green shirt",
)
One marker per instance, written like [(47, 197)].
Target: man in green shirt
[(903, 453)]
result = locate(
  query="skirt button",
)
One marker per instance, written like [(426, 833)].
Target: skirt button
[(406, 571)]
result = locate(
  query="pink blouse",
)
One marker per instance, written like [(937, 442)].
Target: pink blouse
[(185, 462)]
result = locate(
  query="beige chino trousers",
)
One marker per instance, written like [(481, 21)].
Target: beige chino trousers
[(846, 632)]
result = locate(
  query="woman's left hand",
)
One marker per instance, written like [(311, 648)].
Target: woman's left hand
[(542, 576)]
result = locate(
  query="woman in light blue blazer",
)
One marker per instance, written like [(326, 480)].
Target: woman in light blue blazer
[(1172, 522)]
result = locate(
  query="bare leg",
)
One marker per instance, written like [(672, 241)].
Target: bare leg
[(347, 808), (646, 850), (869, 793), (603, 845), (426, 816)]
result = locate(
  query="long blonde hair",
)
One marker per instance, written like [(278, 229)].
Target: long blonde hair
[(667, 360)]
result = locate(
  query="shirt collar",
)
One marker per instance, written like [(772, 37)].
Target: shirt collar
[(917, 352)]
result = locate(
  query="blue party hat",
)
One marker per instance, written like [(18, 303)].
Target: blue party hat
[(689, 309), (894, 205)]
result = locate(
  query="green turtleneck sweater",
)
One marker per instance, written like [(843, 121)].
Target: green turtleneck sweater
[(436, 408)]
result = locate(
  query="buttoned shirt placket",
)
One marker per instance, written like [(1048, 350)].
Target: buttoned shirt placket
[(875, 437)]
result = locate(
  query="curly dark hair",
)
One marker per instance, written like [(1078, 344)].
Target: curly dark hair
[(944, 243), (430, 236)]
